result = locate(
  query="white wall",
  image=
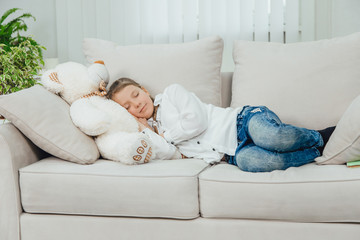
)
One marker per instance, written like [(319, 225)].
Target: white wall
[(43, 30), (334, 18)]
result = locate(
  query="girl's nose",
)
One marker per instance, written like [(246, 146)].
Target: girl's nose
[(137, 104)]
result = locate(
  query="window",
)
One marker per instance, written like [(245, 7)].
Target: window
[(173, 21)]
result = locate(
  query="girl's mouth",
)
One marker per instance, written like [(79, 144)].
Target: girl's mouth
[(142, 109)]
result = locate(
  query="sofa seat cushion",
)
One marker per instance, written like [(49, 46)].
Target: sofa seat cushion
[(310, 193), (161, 188)]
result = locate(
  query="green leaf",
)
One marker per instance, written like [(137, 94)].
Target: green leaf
[(7, 13), (19, 66), (14, 26), (7, 89)]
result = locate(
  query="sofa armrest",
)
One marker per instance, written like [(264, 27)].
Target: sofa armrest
[(16, 151)]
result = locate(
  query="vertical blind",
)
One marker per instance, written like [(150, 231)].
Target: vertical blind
[(173, 21)]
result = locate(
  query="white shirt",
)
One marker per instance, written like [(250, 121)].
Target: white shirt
[(197, 129)]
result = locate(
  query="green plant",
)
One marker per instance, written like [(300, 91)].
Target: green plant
[(20, 56), (18, 67), (16, 25)]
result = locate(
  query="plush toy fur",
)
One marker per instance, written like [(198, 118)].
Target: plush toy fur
[(115, 130)]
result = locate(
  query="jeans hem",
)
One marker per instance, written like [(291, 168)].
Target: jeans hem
[(321, 140)]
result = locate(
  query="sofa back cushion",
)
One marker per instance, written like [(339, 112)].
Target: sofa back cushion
[(195, 65), (226, 81), (309, 84)]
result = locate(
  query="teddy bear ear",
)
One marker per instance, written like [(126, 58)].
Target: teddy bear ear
[(51, 82)]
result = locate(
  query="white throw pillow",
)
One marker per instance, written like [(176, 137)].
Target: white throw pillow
[(195, 65), (308, 84), (344, 144), (44, 118)]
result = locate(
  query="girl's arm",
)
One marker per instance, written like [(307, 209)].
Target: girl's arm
[(192, 114), (161, 148), (142, 123)]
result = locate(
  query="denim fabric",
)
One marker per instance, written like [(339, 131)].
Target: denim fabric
[(266, 144)]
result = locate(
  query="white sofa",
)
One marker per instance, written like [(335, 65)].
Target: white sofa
[(43, 197)]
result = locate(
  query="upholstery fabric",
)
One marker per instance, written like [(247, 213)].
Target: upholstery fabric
[(308, 84), (309, 193), (196, 65), (16, 152), (60, 227), (344, 143), (161, 188), (44, 118), (226, 79)]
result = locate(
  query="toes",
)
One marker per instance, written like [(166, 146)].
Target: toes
[(143, 152)]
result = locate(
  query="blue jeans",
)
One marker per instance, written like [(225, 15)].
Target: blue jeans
[(266, 144)]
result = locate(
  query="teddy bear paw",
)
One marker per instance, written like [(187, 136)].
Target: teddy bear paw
[(143, 151)]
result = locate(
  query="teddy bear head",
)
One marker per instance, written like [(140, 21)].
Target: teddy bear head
[(73, 81)]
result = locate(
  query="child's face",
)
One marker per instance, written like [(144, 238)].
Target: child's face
[(136, 100)]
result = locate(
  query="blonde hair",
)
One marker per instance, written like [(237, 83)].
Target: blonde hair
[(119, 85)]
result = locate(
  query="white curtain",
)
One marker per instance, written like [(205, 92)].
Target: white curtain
[(173, 21)]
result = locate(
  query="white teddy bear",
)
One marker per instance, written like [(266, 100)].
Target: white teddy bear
[(115, 130)]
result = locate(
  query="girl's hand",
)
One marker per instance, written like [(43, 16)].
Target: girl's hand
[(143, 124), (143, 121)]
